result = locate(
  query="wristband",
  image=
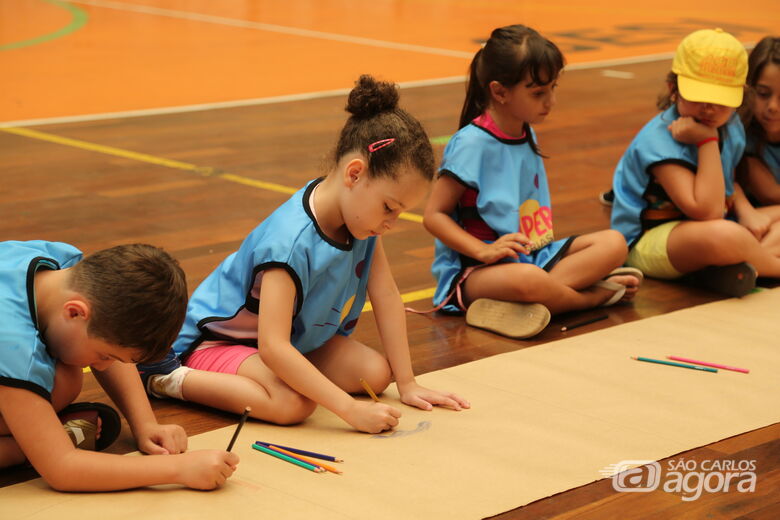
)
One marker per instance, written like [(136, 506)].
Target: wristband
[(705, 141)]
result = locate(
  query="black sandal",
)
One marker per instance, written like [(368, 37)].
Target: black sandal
[(81, 423), (734, 280)]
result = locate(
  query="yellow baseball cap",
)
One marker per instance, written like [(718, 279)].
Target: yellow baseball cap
[(711, 67)]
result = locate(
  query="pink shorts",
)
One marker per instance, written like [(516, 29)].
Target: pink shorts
[(220, 357)]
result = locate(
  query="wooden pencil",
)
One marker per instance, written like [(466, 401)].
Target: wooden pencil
[(369, 390), (238, 428), (302, 452), (287, 458), (584, 322), (305, 459)]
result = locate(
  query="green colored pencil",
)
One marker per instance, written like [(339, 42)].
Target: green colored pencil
[(284, 457), (673, 364)]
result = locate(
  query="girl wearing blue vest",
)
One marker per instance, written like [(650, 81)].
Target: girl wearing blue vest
[(496, 254), (270, 327), (675, 183), (762, 123), (759, 170)]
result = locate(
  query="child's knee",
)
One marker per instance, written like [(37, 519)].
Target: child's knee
[(724, 239), (612, 245), (528, 283), (378, 373), (291, 408), (10, 452), (617, 243)]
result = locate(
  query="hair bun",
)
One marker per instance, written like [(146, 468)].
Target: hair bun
[(371, 97)]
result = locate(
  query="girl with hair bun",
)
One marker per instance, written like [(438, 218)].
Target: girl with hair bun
[(270, 327)]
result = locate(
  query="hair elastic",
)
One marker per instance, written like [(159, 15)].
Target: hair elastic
[(378, 145)]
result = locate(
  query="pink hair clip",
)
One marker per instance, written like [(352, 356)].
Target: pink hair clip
[(373, 147)]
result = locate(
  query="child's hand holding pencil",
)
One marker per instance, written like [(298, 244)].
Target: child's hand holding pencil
[(373, 417)]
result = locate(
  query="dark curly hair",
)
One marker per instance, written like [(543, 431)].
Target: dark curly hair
[(376, 117)]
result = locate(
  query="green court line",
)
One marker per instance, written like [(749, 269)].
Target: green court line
[(79, 17)]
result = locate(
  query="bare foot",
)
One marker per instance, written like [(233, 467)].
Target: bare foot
[(630, 282)]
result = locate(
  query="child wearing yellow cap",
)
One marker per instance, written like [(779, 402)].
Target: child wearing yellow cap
[(675, 198)]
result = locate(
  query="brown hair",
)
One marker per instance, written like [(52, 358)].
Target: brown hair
[(377, 117), (511, 54), (665, 98), (137, 295)]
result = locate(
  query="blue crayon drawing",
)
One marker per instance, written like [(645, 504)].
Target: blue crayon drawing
[(421, 427)]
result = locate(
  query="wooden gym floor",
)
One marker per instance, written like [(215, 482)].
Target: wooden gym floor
[(185, 123)]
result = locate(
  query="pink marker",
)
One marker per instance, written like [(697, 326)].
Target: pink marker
[(706, 364)]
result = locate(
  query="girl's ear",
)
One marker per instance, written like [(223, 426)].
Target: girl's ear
[(672, 91), (354, 171), (498, 92)]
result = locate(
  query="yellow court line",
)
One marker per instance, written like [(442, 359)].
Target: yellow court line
[(408, 297), (201, 170), (205, 171)]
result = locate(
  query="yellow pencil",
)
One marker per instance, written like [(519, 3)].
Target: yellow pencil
[(368, 389), (304, 459)]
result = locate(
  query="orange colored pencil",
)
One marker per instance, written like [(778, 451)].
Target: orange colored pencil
[(305, 459)]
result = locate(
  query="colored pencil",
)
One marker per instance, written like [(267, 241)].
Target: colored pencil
[(301, 452), (238, 428), (708, 364), (287, 458), (584, 322), (368, 389), (305, 459), (673, 364)]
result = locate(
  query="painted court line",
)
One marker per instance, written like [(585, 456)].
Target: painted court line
[(205, 171), (219, 105), (300, 97), (307, 95), (293, 31), (78, 20)]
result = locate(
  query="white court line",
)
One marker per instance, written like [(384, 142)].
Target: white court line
[(306, 96), (217, 105), (619, 74), (299, 97), (293, 31)]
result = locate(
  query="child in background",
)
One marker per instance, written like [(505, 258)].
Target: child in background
[(759, 171), (496, 254), (61, 314), (270, 327), (675, 183)]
